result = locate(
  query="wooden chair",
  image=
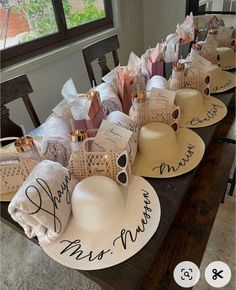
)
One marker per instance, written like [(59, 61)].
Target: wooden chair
[(12, 90), (97, 51)]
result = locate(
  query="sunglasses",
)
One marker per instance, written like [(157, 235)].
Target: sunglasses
[(121, 162)]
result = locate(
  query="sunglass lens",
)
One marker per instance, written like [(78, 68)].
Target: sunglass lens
[(174, 126), (207, 79), (175, 113), (206, 91), (122, 161), (122, 178)]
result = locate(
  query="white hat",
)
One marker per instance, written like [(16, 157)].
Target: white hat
[(226, 57), (175, 152), (108, 225), (220, 81), (197, 111)]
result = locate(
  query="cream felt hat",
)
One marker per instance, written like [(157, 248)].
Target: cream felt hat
[(197, 111), (108, 225), (165, 153), (226, 57)]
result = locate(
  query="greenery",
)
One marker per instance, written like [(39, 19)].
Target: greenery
[(39, 15)]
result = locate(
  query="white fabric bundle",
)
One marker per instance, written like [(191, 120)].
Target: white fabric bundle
[(171, 52), (125, 121), (56, 144), (109, 98), (42, 205), (158, 82)]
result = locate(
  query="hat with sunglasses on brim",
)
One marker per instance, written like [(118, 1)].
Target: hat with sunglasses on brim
[(108, 224), (197, 111), (164, 153), (220, 81), (226, 58)]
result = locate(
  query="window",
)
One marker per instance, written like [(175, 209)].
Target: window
[(31, 27)]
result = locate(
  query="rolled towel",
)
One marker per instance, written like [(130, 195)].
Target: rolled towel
[(42, 205), (56, 144), (157, 82), (125, 121), (109, 98)]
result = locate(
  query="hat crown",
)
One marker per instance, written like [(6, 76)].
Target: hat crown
[(97, 203), (157, 139), (190, 102)]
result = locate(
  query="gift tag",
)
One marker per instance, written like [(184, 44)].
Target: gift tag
[(114, 135)]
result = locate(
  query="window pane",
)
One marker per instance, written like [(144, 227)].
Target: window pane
[(25, 20), (78, 12)]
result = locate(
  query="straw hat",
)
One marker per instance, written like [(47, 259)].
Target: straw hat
[(198, 111), (165, 153), (108, 225), (226, 57), (221, 81)]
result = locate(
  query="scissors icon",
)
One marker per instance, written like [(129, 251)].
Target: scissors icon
[(216, 274)]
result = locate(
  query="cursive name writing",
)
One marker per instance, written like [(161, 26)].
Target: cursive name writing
[(35, 193), (75, 250), (111, 132), (210, 115), (164, 167), (131, 236)]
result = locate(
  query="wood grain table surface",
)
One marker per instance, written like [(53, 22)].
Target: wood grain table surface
[(171, 192)]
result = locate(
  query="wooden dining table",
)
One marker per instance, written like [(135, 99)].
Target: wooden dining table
[(189, 204)]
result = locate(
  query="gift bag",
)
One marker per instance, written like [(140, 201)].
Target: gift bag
[(125, 81), (95, 116)]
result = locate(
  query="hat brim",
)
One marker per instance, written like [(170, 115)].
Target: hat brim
[(190, 153), (231, 64), (227, 81), (98, 250), (214, 111)]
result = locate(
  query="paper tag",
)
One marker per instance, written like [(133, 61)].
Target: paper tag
[(167, 95), (115, 136)]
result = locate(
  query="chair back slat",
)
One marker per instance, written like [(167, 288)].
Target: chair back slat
[(12, 90), (97, 51)]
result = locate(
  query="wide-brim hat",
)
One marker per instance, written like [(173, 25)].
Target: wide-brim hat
[(220, 81), (225, 81), (197, 111), (164, 153), (227, 58), (108, 225)]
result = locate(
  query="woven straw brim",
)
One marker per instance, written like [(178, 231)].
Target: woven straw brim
[(108, 240), (214, 111), (227, 80), (231, 63), (190, 152)]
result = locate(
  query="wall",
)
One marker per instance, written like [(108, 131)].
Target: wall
[(161, 18), (48, 73), (139, 23)]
